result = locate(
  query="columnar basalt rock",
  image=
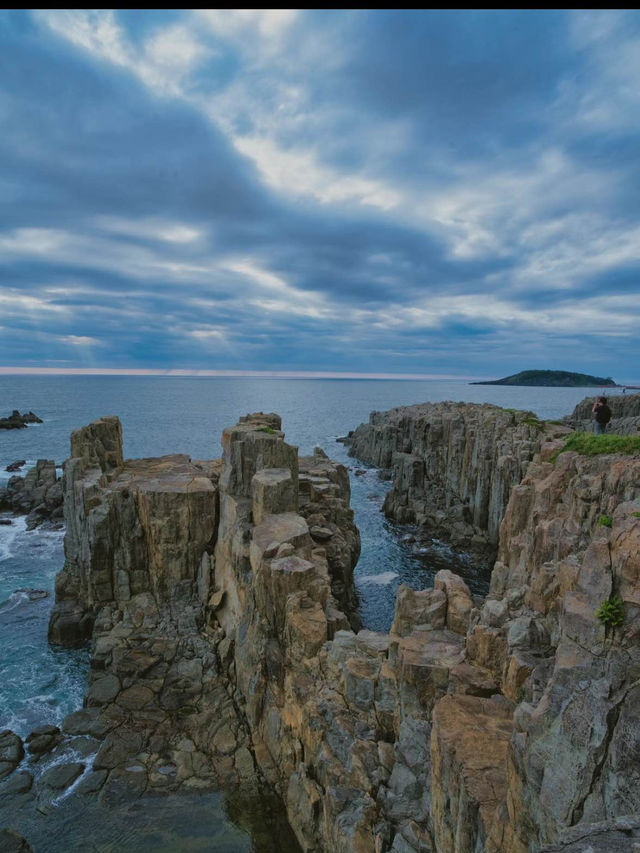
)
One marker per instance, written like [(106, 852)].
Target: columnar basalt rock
[(625, 414), (453, 466), (38, 494), (224, 656), (576, 680), (144, 526)]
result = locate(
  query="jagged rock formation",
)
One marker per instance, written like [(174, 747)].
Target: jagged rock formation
[(569, 541), (38, 493), (453, 465), (625, 415), (18, 421), (223, 655), (158, 572)]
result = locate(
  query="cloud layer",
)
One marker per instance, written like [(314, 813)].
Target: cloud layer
[(384, 192)]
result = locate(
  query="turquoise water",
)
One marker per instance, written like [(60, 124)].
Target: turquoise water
[(187, 414)]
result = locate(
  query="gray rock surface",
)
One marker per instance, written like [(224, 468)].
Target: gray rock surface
[(625, 414), (38, 494), (217, 595), (453, 466)]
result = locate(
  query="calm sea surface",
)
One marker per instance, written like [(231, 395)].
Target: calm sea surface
[(186, 415)]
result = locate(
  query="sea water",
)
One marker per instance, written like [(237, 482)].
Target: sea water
[(39, 684)]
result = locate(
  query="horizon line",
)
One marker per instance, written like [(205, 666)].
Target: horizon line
[(264, 374)]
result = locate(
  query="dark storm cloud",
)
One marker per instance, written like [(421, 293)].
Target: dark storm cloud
[(410, 191)]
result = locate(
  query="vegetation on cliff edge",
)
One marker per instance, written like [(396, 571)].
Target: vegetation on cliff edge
[(590, 444)]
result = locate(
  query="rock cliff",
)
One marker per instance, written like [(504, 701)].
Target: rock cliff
[(625, 415), (218, 597), (453, 466), (38, 493)]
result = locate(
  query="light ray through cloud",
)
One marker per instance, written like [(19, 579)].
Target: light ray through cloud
[(362, 192)]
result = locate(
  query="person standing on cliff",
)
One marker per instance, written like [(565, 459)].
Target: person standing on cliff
[(601, 415)]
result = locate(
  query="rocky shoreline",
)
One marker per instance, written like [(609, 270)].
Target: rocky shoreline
[(38, 494), (220, 603), (453, 466)]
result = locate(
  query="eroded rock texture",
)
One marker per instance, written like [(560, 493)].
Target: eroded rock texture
[(453, 466), (38, 494), (218, 597), (625, 414)]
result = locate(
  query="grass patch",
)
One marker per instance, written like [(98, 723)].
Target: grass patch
[(605, 520), (590, 444), (611, 612), (268, 430), (636, 514), (557, 423), (536, 423)]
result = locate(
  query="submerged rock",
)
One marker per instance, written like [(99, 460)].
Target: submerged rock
[(11, 842), (11, 752)]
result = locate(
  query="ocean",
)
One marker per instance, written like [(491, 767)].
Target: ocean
[(163, 415)]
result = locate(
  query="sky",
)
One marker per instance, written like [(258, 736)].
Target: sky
[(410, 193)]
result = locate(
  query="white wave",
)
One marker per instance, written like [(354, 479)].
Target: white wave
[(14, 600), (382, 579), (5, 476), (8, 535)]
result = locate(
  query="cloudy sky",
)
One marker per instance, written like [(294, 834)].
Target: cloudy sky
[(411, 193)]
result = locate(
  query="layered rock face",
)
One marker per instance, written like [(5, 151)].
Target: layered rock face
[(453, 466), (570, 540), (625, 415), (141, 527), (38, 493), (159, 572), (218, 594)]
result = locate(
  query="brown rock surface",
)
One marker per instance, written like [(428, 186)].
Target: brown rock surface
[(218, 596)]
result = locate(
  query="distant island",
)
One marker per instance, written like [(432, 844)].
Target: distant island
[(553, 379)]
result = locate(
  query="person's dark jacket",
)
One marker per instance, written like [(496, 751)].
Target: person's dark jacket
[(602, 413)]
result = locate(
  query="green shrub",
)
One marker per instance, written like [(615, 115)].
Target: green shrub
[(267, 430), (590, 444), (605, 520), (534, 422), (611, 612), (636, 514)]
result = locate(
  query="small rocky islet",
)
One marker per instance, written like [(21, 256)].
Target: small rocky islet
[(18, 421), (552, 379), (226, 649)]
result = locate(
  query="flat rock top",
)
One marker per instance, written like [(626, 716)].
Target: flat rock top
[(431, 648), (478, 732), (286, 527), (444, 410), (175, 473)]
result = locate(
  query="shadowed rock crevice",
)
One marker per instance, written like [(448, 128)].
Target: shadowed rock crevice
[(223, 654)]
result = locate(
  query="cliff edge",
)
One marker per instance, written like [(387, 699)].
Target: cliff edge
[(223, 654)]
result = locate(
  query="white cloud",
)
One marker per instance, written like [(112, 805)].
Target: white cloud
[(268, 23), (162, 62), (152, 229), (80, 340), (15, 303), (298, 172)]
